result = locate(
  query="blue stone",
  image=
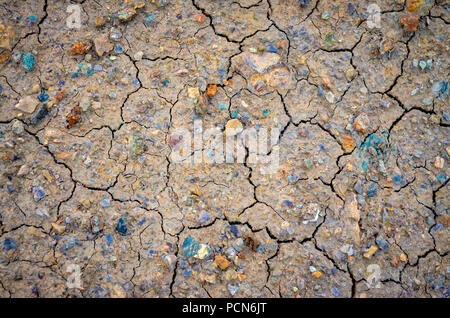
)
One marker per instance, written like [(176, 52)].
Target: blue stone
[(335, 292), (204, 216), (109, 239), (272, 49), (43, 97), (320, 92), (183, 263), (372, 190), (440, 88), (364, 166), (360, 199), (105, 203), (187, 272), (150, 17), (122, 227), (9, 244), (10, 188), (232, 289), (28, 61), (234, 230), (442, 177), (190, 247), (39, 115), (29, 21), (427, 101), (38, 193), (381, 242), (398, 179), (261, 249), (422, 64), (358, 187), (351, 7)]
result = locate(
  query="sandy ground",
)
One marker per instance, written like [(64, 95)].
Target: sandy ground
[(93, 95)]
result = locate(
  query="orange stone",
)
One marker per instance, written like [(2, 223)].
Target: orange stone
[(200, 18), (74, 117), (211, 91), (348, 143), (64, 155), (59, 96), (361, 122), (410, 21), (222, 262), (80, 48), (4, 57), (326, 81)]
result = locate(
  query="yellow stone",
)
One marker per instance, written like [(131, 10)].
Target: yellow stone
[(233, 127), (413, 5), (85, 203), (203, 251), (193, 93), (349, 167), (302, 60), (317, 274), (403, 257), (371, 251), (195, 191), (47, 175), (119, 293)]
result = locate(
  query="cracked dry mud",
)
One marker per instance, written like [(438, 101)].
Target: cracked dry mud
[(358, 207)]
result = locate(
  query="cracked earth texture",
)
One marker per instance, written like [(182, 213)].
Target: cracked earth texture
[(358, 207)]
